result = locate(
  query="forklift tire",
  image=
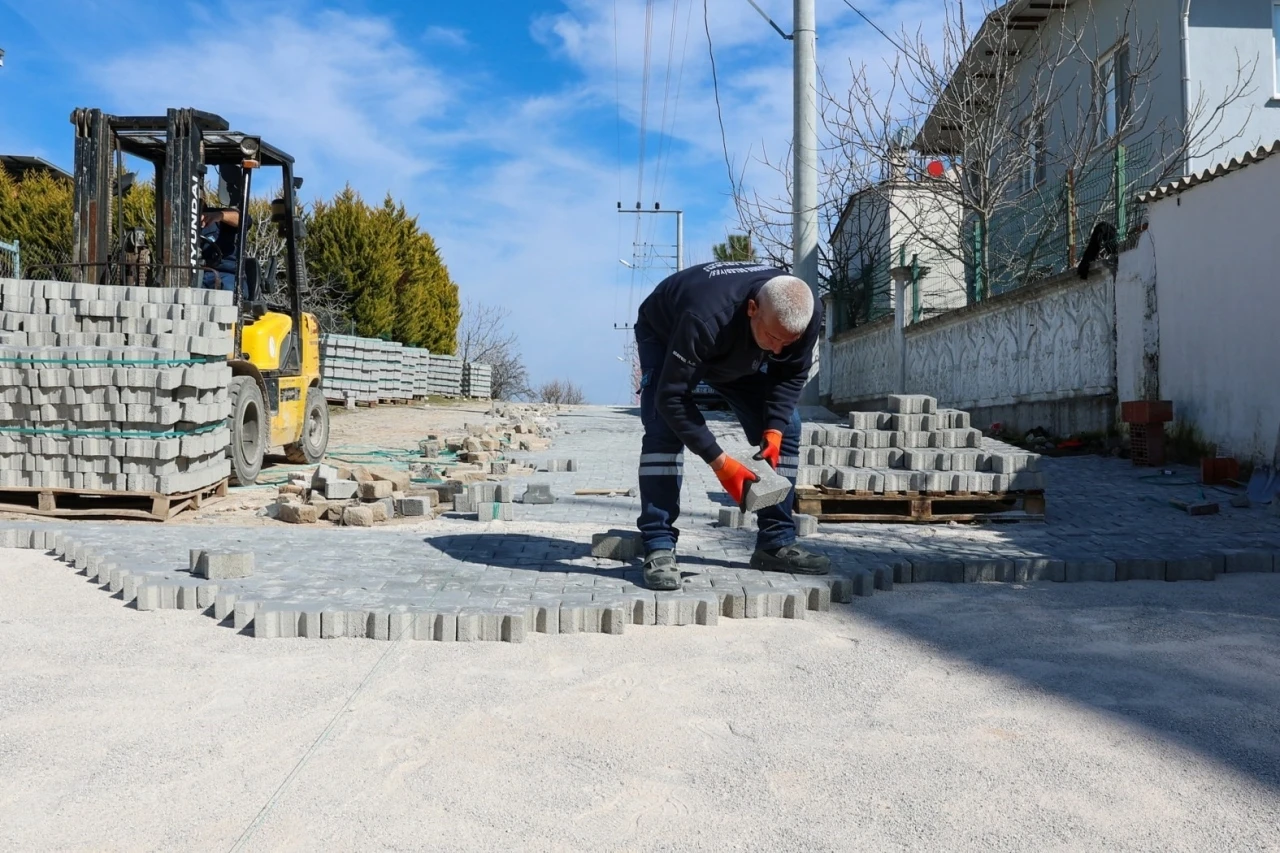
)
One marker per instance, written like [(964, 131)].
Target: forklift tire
[(315, 431), (248, 430)]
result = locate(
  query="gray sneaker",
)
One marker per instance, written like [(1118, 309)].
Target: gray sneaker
[(660, 571), (791, 559)]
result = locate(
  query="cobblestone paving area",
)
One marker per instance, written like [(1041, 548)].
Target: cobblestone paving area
[(458, 579)]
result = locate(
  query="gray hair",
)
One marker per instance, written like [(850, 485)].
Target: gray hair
[(789, 300)]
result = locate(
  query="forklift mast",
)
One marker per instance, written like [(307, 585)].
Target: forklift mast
[(180, 145)]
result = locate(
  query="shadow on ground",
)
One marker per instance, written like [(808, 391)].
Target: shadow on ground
[(1195, 662)]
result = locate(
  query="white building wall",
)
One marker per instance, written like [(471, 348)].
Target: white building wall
[(927, 223), (1224, 35), (1137, 323), (1217, 257)]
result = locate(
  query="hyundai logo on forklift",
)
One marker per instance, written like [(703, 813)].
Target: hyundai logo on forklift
[(195, 221)]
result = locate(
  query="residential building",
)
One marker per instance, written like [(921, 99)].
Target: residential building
[(906, 220), (1088, 103)]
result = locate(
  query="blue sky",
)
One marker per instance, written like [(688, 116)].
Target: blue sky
[(508, 127)]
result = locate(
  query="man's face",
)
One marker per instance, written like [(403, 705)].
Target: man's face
[(766, 329)]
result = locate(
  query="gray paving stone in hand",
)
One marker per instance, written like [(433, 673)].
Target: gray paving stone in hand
[(770, 490)]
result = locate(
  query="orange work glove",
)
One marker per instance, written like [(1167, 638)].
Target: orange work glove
[(771, 448), (734, 476)]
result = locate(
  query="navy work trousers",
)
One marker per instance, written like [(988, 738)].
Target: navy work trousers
[(662, 454)]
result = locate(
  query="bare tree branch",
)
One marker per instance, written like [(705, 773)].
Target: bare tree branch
[(483, 337)]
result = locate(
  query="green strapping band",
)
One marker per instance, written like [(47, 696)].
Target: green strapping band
[(100, 433), (112, 362)]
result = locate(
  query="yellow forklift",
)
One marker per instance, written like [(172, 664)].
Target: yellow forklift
[(275, 363)]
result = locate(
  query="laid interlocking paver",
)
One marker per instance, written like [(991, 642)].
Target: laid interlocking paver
[(1107, 521)]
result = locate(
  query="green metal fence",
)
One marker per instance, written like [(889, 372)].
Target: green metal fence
[(1047, 230), (861, 297), (10, 260)]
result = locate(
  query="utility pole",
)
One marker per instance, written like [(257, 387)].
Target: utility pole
[(804, 146), (804, 216), (679, 228)]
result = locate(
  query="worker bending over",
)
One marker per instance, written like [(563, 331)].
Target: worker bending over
[(748, 331)]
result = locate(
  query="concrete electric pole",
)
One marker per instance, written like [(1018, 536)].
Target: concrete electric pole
[(804, 221), (804, 167), (804, 171)]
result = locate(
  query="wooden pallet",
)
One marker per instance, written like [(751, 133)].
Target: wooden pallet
[(919, 507), (96, 503)]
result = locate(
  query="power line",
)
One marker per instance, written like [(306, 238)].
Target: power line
[(676, 107), (715, 85), (644, 96), (877, 28)]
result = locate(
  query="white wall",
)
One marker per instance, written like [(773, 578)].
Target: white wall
[(1043, 355), (928, 223), (1038, 344), (1137, 323), (1217, 259), (861, 366), (1224, 35)]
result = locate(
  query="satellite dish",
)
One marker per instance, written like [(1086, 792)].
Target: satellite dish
[(935, 169), (902, 137)]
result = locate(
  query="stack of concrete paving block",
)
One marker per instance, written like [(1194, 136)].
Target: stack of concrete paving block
[(387, 359), (416, 372), (345, 368), (445, 378), (477, 380), (111, 388), (915, 446)]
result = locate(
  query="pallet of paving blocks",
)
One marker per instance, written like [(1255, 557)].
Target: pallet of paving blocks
[(386, 359), (110, 393), (346, 369), (415, 372), (915, 462), (477, 380), (445, 376)]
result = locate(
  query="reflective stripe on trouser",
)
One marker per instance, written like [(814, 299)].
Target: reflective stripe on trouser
[(661, 464)]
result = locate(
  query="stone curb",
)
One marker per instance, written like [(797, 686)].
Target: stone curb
[(609, 612)]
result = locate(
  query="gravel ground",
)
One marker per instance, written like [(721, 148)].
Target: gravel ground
[(1136, 716)]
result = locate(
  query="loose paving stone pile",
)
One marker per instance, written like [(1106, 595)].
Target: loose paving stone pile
[(915, 446), (113, 388), (354, 496)]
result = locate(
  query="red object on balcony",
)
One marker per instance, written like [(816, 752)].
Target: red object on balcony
[(1146, 411)]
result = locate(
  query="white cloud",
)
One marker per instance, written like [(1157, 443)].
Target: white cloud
[(519, 192), (340, 92), (447, 36)]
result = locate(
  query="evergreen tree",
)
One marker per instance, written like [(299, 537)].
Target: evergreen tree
[(36, 211), (738, 248), (350, 247)]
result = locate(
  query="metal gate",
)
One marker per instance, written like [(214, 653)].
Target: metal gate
[(10, 260)]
